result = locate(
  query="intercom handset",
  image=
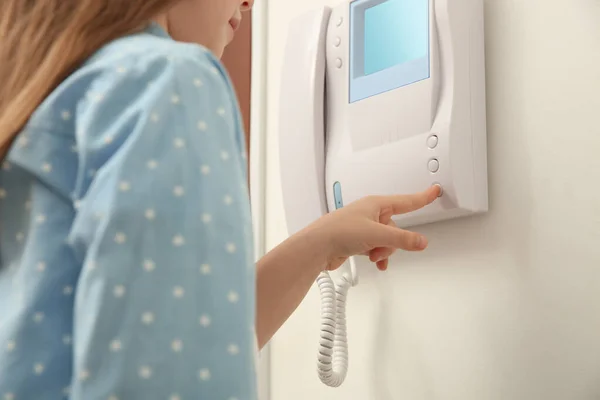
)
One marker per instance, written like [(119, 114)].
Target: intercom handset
[(381, 97), (302, 152)]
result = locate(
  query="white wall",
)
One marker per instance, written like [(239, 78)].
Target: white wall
[(504, 306)]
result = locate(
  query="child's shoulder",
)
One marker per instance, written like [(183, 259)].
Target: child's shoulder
[(150, 54), (148, 46), (126, 69), (142, 85)]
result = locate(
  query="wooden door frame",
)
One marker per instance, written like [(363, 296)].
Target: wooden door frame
[(246, 61), (237, 59)]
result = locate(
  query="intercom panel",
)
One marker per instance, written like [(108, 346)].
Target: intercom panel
[(381, 97), (385, 97)]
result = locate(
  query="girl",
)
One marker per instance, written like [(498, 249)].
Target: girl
[(126, 252)]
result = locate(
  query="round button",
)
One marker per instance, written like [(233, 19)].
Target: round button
[(337, 42), (441, 189), (433, 165), (339, 21), (338, 63), (432, 141)]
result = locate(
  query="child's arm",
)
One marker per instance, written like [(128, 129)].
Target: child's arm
[(285, 275)]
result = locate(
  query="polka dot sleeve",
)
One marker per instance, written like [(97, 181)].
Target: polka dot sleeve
[(164, 304)]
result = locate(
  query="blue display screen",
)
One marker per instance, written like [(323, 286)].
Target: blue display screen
[(389, 45), (396, 32)]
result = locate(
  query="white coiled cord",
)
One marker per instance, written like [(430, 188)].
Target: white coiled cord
[(332, 363)]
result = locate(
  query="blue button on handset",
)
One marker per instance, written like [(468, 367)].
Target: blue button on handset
[(337, 195)]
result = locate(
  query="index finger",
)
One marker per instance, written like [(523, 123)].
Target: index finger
[(402, 204)]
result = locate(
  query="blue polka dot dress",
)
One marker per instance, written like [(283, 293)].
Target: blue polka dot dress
[(127, 268)]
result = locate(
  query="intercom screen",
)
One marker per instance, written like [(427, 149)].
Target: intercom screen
[(389, 45), (396, 32)]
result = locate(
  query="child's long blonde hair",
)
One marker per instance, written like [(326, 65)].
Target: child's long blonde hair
[(43, 41)]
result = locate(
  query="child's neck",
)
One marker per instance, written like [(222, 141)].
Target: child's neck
[(163, 21)]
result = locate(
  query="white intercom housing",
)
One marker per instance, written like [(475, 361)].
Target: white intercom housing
[(382, 97)]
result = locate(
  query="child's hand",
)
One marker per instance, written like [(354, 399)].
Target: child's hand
[(365, 227)]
